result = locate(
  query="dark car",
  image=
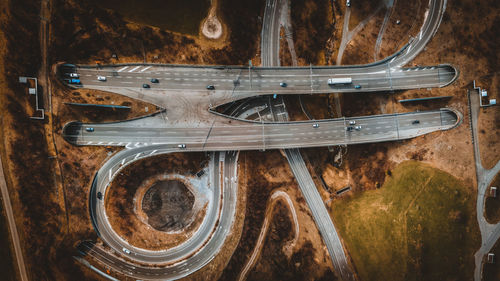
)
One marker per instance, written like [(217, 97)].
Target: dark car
[(155, 80), (146, 86), (89, 129), (99, 195), (357, 87), (414, 122), (210, 87), (350, 128), (283, 84)]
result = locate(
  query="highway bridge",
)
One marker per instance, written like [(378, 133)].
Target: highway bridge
[(189, 124), (248, 135)]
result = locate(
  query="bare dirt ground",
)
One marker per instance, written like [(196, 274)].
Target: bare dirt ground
[(263, 174), (397, 35), (121, 196), (362, 46), (168, 205), (488, 121)]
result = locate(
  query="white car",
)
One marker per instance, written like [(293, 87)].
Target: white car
[(101, 78), (182, 146), (74, 75), (127, 251), (357, 128), (315, 125), (352, 122)]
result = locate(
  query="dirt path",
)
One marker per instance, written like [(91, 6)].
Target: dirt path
[(390, 9), (12, 226), (348, 35), (275, 196)]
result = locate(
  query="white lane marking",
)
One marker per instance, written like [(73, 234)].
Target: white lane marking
[(144, 69), (122, 69), (134, 69), (110, 175)]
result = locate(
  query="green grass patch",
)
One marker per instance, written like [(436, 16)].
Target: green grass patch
[(6, 258), (180, 16), (420, 225)]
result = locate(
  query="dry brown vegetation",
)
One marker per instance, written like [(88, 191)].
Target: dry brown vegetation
[(492, 204), (273, 263), (77, 24), (263, 174), (488, 121), (119, 198), (30, 172), (313, 25)]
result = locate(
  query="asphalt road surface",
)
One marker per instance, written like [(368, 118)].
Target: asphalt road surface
[(260, 136), (201, 248), (182, 90), (270, 57)]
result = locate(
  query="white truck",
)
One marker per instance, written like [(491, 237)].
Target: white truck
[(339, 81)]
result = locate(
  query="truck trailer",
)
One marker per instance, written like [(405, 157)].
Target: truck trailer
[(339, 81)]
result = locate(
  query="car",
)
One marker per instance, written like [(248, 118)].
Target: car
[(127, 251), (74, 75), (181, 146), (349, 128), (210, 87), (357, 87), (89, 129), (315, 125), (348, 3), (99, 195), (414, 122), (275, 96), (146, 86), (101, 78), (74, 81), (357, 128), (283, 84), (352, 122), (155, 80)]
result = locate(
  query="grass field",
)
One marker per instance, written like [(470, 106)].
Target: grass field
[(179, 16), (420, 225), (6, 261), (492, 205)]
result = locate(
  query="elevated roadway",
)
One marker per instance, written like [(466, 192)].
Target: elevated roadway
[(182, 90), (270, 57), (174, 262), (246, 135)]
